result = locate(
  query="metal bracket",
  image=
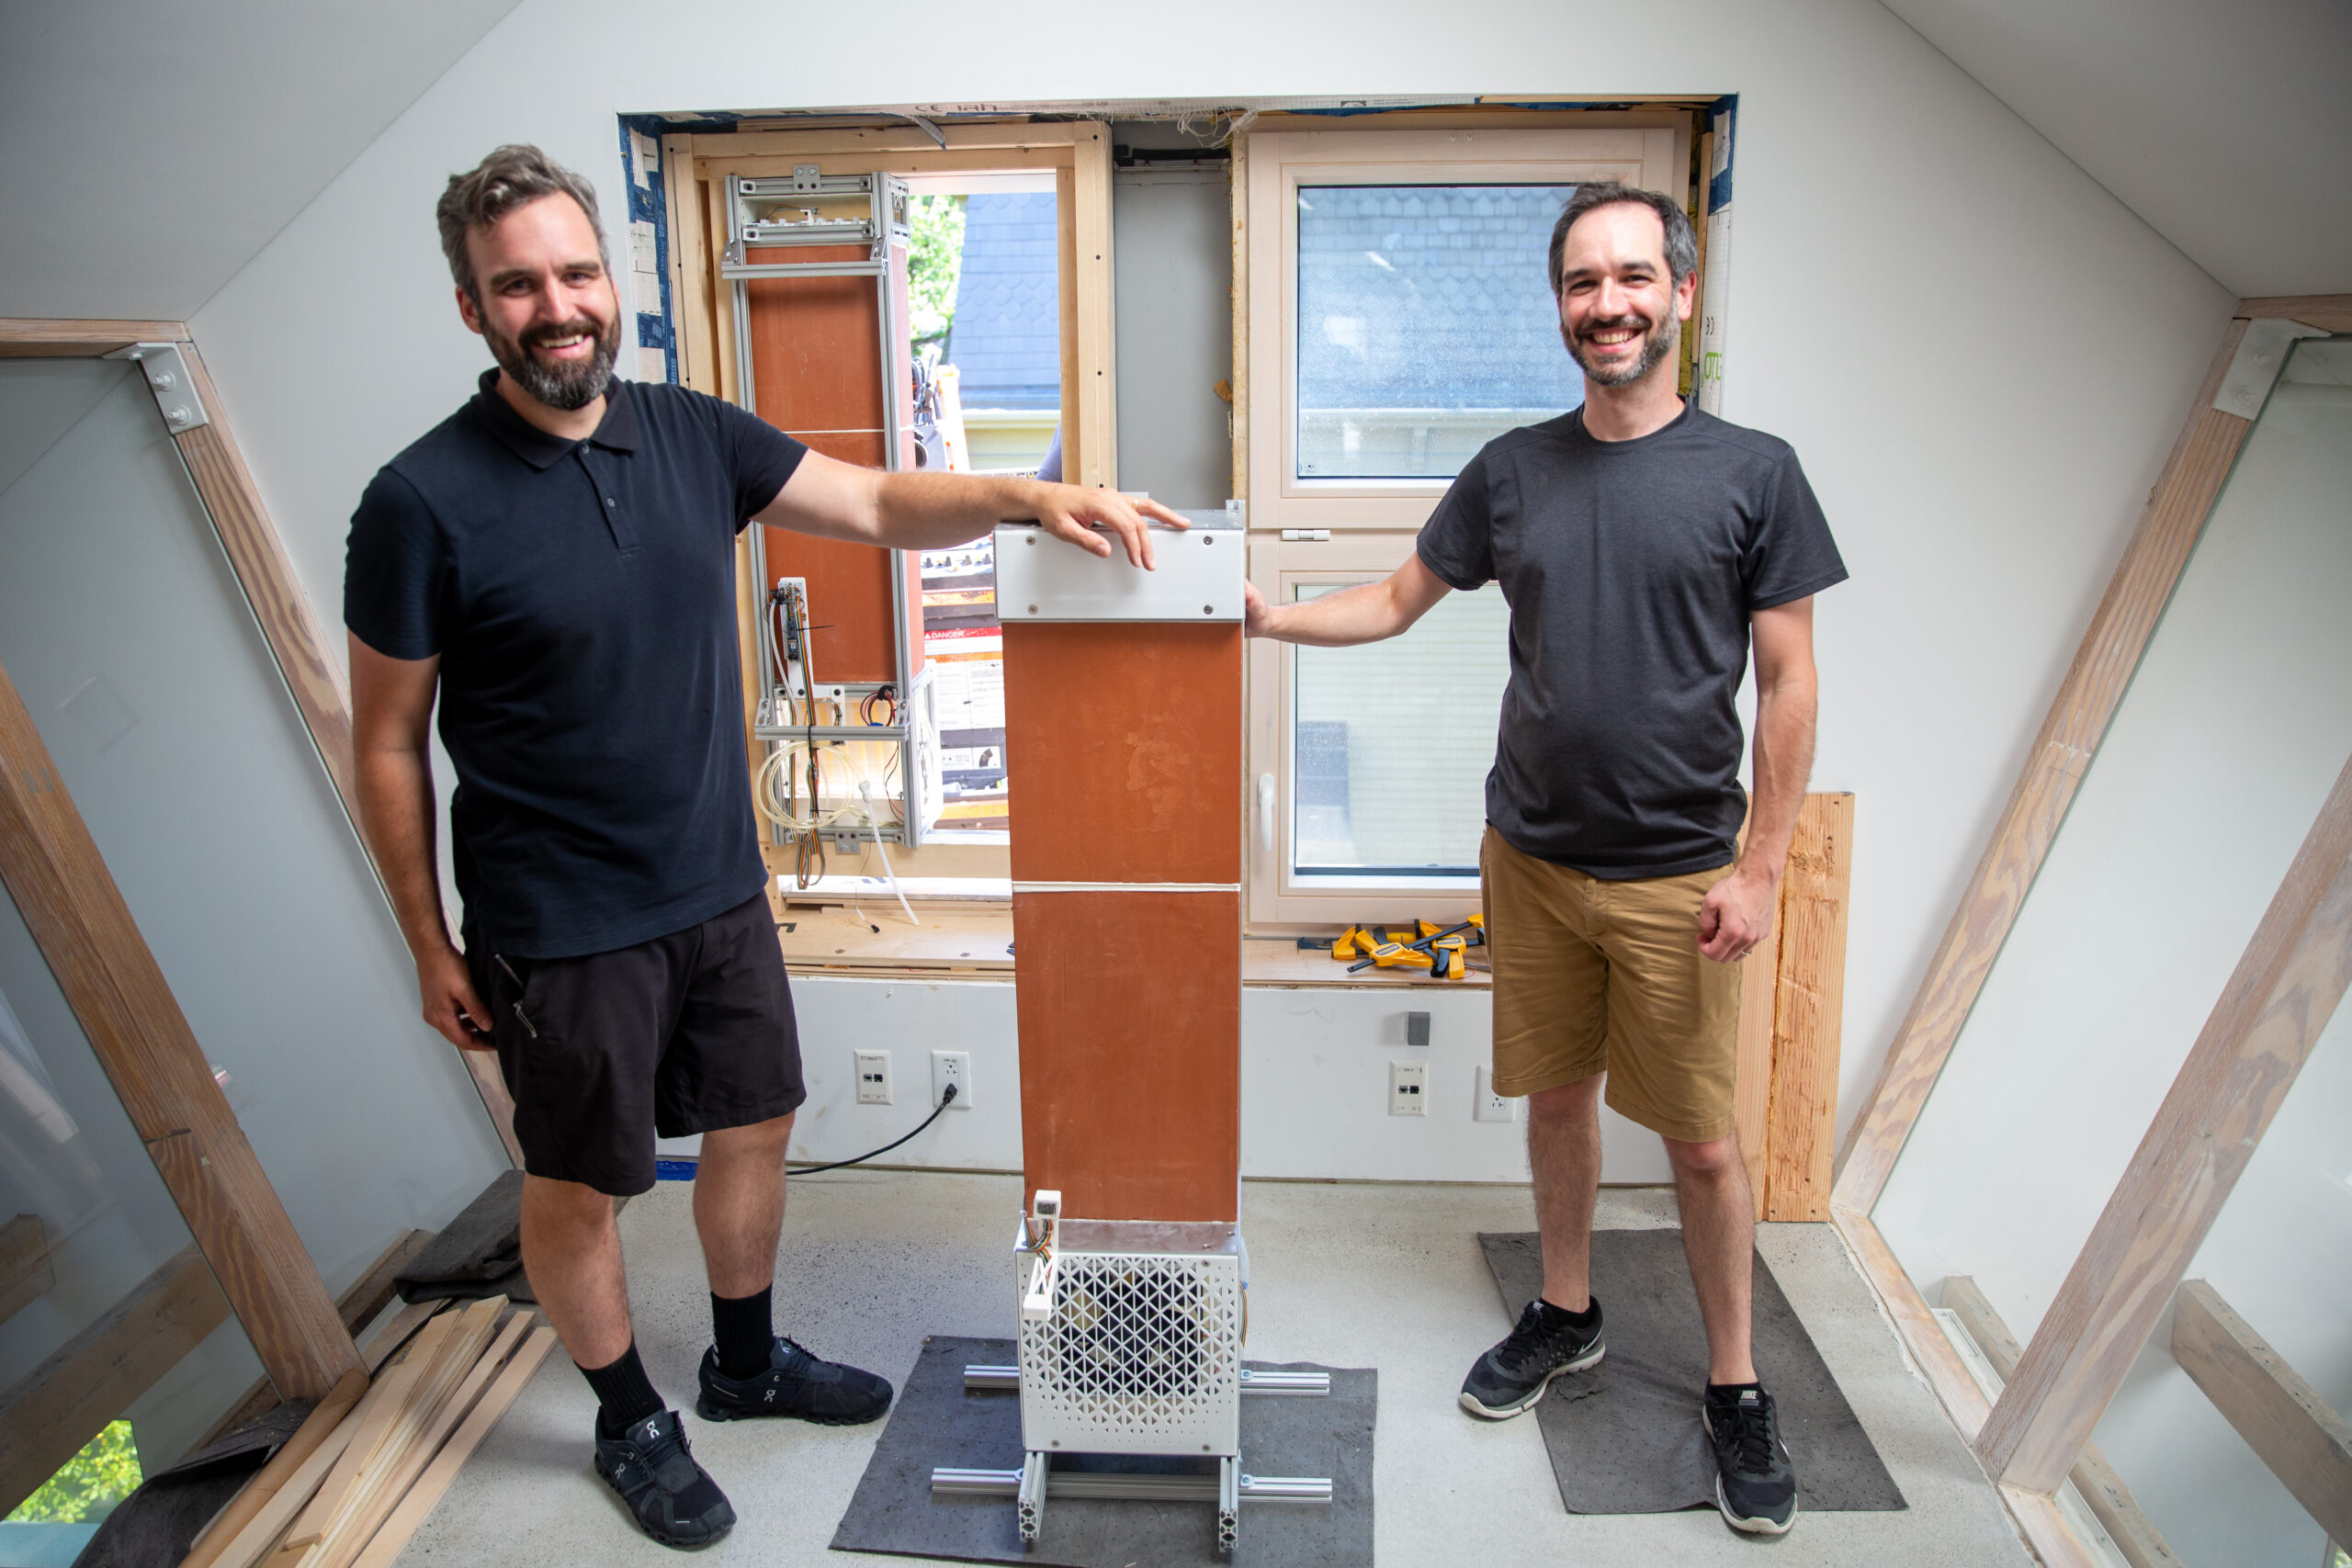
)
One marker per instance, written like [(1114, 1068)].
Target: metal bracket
[(167, 378), (2253, 369), (807, 177)]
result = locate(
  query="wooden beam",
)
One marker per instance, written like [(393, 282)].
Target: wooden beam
[(2118, 1512), (357, 1306), (26, 1274), (2070, 737), (136, 1029), (2333, 312), (2282, 1419), (2283, 992), (1237, 175), (1808, 1007), (24, 338), (67, 1400), (1096, 394)]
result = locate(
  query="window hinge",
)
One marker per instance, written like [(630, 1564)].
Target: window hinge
[(1311, 536), (167, 378)]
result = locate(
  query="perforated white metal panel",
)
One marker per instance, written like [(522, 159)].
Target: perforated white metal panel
[(1142, 1354)]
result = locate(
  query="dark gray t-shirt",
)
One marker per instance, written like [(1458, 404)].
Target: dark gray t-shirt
[(1630, 568)]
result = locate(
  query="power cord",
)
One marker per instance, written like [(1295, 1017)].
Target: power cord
[(946, 1098)]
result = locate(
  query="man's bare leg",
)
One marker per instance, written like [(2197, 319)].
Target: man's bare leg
[(1719, 1236), (739, 1206), (1564, 1151), (572, 1251)]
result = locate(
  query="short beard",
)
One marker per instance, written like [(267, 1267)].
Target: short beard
[(569, 386), (1658, 346)]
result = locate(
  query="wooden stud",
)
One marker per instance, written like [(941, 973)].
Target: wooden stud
[(2333, 312), (1807, 1009), (1097, 317), (272, 1477), (1917, 1326), (2282, 1419), (691, 278), (136, 1030), (26, 1274), (2118, 1512), (2046, 1531), (397, 1332), (2283, 992), (269, 1521), (32, 338), (1073, 409), (1238, 173), (85, 1382), (385, 1550), (2069, 736)]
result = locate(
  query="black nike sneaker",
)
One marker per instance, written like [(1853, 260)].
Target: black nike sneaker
[(1513, 1375), (795, 1383), (1756, 1486), (672, 1498)]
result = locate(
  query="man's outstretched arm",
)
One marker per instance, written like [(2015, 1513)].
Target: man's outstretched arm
[(1366, 613), (834, 500), (1738, 911), (391, 706)]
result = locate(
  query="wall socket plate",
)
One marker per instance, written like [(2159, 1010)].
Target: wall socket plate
[(952, 1067), (873, 1078), (1408, 1084), (1492, 1106)]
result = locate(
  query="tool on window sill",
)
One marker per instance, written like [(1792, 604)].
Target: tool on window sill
[(1438, 950)]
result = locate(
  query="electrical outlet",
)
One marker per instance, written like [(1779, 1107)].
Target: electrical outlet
[(1492, 1106), (1409, 1084), (874, 1077), (952, 1067)]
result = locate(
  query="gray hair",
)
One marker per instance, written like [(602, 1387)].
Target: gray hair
[(1681, 245), (513, 177)]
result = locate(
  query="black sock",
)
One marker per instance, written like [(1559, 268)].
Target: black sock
[(1729, 1392), (1582, 1322), (745, 1331), (624, 1394)]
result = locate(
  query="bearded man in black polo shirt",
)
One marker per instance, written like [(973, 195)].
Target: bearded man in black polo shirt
[(1641, 546), (556, 561)]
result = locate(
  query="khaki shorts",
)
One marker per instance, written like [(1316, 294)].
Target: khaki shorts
[(1595, 976)]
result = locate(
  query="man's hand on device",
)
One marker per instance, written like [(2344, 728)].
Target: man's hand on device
[(1074, 512)]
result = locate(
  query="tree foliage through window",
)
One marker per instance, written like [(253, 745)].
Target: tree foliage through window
[(91, 1483), (934, 260)]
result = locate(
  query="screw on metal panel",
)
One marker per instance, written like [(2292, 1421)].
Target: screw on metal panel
[(1208, 609), (1029, 539), (1208, 539), (1033, 609)]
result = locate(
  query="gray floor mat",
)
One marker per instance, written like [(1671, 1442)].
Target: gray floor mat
[(936, 1423), (1625, 1437)]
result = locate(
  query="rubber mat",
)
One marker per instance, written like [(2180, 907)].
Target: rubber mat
[(936, 1423), (1625, 1437)]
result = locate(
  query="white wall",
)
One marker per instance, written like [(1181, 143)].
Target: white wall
[(1981, 356)]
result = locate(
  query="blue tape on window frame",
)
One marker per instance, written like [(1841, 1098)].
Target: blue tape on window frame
[(646, 205)]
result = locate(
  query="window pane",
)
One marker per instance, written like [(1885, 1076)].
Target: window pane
[(1392, 742), (1426, 326)]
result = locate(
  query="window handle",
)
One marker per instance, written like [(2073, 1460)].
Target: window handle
[(1266, 812)]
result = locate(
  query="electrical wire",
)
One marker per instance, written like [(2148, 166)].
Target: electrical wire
[(946, 1098)]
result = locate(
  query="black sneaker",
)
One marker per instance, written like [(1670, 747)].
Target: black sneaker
[(1513, 1375), (795, 1383), (1756, 1486), (672, 1498)]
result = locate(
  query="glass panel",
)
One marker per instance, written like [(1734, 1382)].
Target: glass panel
[(1426, 325), (1392, 741), (2235, 728), (87, 1223), (130, 639)]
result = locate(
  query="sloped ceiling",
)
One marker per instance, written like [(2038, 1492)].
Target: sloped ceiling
[(153, 148), (2227, 127)]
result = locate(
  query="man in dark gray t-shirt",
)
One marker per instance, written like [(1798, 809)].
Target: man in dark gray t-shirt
[(1644, 546)]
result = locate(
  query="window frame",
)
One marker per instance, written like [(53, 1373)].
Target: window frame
[(1369, 525)]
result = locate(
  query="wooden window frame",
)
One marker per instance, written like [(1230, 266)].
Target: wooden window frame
[(695, 167)]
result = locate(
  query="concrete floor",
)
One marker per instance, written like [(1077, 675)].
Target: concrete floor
[(1388, 1277)]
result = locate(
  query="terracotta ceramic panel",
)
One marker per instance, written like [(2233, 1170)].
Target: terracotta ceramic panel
[(1125, 748), (1130, 1009), (816, 344)]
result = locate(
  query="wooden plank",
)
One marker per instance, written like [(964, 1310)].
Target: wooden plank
[(2282, 1419), (1917, 1326), (1808, 1005), (66, 338), (385, 1550), (1012, 160), (2333, 312), (266, 1484), (2102, 1489), (1096, 393), (261, 1532), (2286, 988), (26, 1274), (2046, 1531), (378, 1411), (1238, 173), (690, 275), (996, 136), (2069, 736), (396, 1332), (1073, 408), (875, 934), (159, 1071), (85, 1382)]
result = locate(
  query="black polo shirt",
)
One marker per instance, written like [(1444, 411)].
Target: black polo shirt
[(580, 596)]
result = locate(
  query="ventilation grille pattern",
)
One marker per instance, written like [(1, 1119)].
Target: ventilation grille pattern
[(1142, 1355)]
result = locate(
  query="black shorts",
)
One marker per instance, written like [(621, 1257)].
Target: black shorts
[(689, 1033)]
